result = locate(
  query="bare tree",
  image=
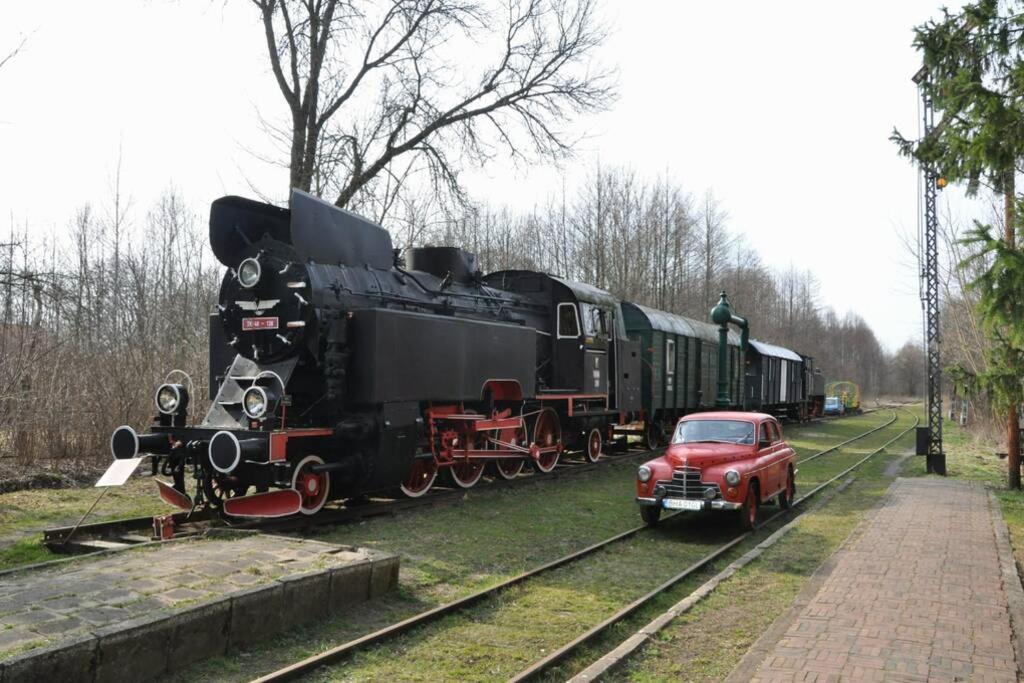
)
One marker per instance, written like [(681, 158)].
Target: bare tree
[(376, 96), (13, 53)]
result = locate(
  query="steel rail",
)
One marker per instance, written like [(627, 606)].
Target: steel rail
[(345, 649), (543, 665)]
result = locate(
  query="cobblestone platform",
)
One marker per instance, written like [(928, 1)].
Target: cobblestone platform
[(139, 613), (924, 590)]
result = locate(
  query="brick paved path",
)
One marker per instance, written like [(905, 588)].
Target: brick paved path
[(917, 594)]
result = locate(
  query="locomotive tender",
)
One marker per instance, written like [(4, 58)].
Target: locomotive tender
[(337, 369)]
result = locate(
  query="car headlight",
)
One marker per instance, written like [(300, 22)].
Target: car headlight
[(249, 272), (171, 399), (644, 473), (732, 477), (255, 402)]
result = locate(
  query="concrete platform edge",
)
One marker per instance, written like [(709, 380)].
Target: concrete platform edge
[(148, 647)]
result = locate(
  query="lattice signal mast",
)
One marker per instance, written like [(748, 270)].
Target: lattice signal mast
[(935, 457)]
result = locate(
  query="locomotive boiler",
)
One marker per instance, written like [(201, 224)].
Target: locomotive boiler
[(335, 370)]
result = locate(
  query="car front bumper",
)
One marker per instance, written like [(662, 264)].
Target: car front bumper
[(717, 504)]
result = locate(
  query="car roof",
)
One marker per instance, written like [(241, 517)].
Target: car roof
[(729, 415)]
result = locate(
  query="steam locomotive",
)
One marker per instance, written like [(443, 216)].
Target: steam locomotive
[(338, 368)]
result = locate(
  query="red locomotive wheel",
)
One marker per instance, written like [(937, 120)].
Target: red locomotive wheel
[(466, 473), (421, 478), (508, 468), (313, 487), (547, 433), (593, 450)]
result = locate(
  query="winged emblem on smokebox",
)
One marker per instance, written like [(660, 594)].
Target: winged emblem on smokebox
[(257, 306)]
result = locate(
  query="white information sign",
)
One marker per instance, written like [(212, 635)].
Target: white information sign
[(118, 472)]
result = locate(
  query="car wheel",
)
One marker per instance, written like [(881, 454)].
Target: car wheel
[(748, 512), (788, 493), (650, 514)]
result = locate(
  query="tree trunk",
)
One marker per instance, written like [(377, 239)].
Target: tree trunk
[(1013, 423)]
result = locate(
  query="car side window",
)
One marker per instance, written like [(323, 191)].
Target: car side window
[(568, 322), (776, 435), (765, 438)]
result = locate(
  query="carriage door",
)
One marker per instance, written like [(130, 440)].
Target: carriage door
[(568, 349), (670, 371), (596, 338)]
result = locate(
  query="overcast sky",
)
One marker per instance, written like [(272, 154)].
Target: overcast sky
[(782, 109)]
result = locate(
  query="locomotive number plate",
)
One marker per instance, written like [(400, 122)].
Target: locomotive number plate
[(259, 324), (682, 504)]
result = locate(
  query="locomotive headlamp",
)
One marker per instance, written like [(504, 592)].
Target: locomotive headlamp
[(171, 399), (249, 272), (644, 473), (732, 477), (257, 401)]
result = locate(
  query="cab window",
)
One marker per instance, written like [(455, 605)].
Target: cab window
[(568, 322), (594, 321)]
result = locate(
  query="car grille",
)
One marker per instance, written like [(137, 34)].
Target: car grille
[(686, 483)]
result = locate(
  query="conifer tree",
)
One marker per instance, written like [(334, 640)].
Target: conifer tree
[(974, 75)]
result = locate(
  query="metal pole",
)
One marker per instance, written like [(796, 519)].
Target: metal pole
[(935, 458)]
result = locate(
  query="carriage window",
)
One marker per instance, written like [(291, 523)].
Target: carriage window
[(594, 321), (670, 356), (568, 323)]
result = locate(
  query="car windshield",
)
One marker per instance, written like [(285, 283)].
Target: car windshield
[(831, 402), (714, 431)]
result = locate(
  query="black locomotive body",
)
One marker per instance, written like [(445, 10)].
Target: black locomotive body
[(338, 370)]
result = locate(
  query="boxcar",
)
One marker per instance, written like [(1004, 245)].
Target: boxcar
[(679, 372)]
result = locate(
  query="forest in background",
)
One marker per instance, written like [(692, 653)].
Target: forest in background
[(92, 319)]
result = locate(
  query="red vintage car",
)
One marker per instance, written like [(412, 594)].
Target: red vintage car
[(719, 461)]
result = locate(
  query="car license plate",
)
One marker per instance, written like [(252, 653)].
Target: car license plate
[(682, 504), (259, 324)]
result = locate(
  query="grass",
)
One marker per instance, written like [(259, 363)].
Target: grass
[(24, 514), (22, 552), (452, 550)]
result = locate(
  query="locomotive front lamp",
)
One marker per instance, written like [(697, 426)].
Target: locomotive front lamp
[(171, 399), (644, 474), (256, 401), (249, 272)]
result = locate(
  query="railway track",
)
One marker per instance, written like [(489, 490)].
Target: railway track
[(121, 534), (346, 649)]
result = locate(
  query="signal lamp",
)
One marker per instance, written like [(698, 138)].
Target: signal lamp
[(171, 399), (249, 272), (941, 182)]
